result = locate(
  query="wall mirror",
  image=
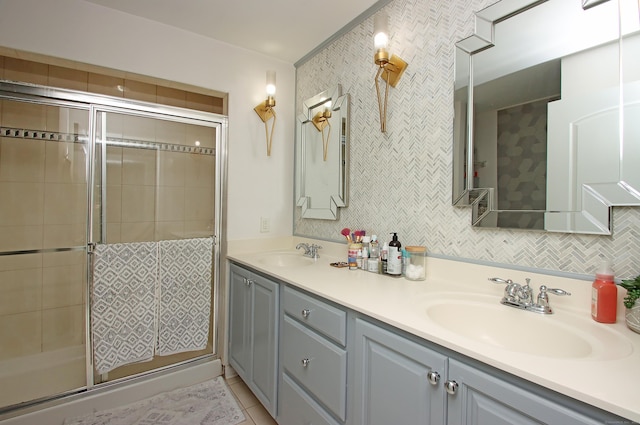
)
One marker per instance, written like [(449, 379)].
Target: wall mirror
[(322, 155), (547, 114)]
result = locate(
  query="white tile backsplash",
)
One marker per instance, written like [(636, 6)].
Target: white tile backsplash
[(401, 181)]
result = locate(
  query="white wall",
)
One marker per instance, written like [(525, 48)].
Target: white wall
[(258, 186)]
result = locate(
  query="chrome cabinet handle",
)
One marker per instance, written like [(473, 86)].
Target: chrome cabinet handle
[(451, 387), (433, 377), (305, 362), (306, 312), (247, 281)]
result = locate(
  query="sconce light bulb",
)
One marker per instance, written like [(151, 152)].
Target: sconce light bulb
[(271, 89), (380, 31), (380, 41), (271, 83)]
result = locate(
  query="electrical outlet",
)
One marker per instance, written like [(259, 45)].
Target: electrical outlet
[(265, 225)]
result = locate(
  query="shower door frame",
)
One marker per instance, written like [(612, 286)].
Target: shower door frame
[(94, 104)]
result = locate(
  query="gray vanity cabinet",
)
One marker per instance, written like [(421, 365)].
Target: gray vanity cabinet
[(338, 367), (253, 333), (313, 359), (397, 381), (482, 398)]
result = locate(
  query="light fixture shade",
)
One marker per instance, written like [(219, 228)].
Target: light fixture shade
[(380, 31), (271, 83)]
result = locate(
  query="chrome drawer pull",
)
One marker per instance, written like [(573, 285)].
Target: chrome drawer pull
[(305, 362), (433, 377), (306, 312)]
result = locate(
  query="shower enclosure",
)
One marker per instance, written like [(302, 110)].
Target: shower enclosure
[(100, 196)]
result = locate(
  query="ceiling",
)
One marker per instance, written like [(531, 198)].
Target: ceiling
[(283, 29)]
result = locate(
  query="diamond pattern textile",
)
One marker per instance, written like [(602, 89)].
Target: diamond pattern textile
[(123, 304), (150, 298), (185, 300)]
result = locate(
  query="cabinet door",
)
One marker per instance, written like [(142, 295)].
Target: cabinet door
[(253, 333), (391, 379), (483, 399), (240, 322), (264, 341)]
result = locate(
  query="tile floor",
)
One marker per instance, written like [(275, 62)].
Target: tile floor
[(254, 412)]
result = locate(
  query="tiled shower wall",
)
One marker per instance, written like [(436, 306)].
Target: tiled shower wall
[(401, 181), (42, 206), (159, 194)]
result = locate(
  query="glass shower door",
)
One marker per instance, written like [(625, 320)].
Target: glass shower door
[(154, 191), (43, 270)]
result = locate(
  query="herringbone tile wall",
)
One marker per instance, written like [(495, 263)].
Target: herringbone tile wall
[(401, 181)]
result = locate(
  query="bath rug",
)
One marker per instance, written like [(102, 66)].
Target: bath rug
[(208, 403), (184, 310)]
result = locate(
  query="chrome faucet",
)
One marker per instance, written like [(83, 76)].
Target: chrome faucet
[(521, 296), (309, 250)]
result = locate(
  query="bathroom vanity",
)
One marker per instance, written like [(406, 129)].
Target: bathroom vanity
[(352, 347)]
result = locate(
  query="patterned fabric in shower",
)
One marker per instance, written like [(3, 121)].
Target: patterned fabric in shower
[(124, 304), (150, 298), (185, 295)]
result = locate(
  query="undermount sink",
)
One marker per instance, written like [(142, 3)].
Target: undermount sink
[(561, 335), (285, 259)]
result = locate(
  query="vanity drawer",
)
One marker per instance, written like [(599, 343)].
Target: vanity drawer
[(296, 407), (320, 316), (318, 365)]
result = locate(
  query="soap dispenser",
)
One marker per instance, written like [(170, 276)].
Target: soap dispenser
[(604, 295), (394, 259)]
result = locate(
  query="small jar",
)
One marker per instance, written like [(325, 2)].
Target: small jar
[(417, 265)]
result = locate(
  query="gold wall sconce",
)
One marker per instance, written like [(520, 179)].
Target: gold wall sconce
[(320, 122), (390, 69), (266, 111)]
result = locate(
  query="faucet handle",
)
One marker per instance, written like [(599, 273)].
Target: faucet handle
[(510, 291), (543, 297), (557, 291), (500, 280), (313, 250)]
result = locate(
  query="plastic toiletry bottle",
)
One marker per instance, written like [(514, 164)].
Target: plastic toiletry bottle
[(604, 295), (405, 261), (374, 255), (382, 268), (394, 257), (366, 241)]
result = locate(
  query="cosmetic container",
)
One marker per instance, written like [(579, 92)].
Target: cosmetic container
[(354, 249)]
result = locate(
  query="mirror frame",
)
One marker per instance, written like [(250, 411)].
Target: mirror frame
[(340, 121), (594, 215)]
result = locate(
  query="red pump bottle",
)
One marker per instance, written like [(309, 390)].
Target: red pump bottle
[(604, 295)]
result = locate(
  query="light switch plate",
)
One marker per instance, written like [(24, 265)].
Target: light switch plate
[(265, 225)]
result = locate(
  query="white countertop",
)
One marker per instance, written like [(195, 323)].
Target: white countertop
[(608, 379)]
